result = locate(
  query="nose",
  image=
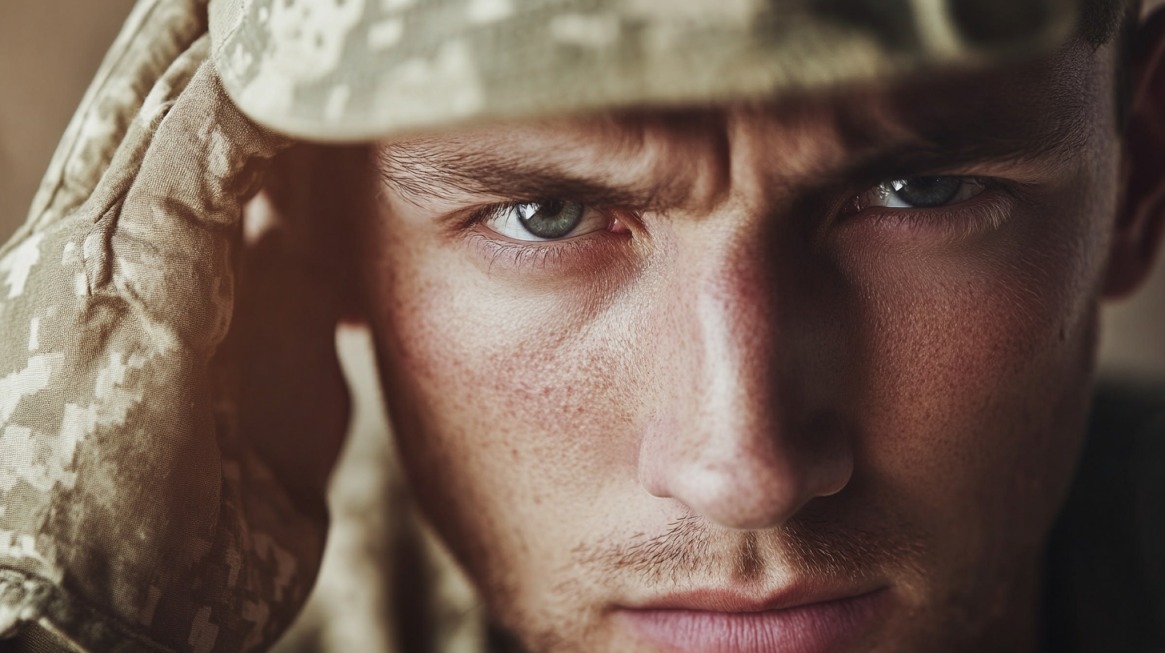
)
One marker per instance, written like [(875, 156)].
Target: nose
[(734, 438)]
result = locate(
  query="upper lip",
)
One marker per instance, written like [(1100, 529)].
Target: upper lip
[(734, 600)]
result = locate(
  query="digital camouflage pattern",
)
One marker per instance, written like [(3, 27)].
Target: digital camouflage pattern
[(359, 69), (133, 514)]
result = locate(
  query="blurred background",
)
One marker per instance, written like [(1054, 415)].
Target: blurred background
[(49, 49)]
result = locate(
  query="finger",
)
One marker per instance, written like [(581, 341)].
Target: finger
[(113, 429), (167, 246)]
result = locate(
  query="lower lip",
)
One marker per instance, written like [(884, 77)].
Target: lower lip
[(816, 628)]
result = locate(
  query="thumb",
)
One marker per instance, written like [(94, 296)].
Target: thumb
[(134, 509), (169, 227)]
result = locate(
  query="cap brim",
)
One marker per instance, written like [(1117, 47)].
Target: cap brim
[(351, 70)]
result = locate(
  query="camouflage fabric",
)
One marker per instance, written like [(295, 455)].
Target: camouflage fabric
[(359, 69), (133, 515)]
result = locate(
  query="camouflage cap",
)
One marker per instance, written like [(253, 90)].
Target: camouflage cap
[(362, 69)]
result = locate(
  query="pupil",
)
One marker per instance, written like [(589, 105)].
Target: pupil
[(926, 192), (550, 219)]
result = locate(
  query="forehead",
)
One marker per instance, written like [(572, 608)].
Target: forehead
[(1034, 111)]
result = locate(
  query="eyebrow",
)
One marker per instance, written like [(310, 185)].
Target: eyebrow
[(428, 169), (1011, 138), (939, 155), (433, 168)]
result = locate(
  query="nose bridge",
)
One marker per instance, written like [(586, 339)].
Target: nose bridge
[(727, 444), (736, 326)]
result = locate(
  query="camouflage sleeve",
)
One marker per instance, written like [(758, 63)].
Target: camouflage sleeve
[(132, 514)]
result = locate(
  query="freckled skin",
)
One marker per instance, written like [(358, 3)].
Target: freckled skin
[(897, 406)]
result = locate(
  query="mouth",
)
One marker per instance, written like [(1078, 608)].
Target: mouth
[(718, 621)]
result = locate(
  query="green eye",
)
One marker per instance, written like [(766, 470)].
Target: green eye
[(551, 219), (545, 220), (924, 192)]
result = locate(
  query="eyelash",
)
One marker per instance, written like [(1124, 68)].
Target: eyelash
[(534, 255), (983, 213)]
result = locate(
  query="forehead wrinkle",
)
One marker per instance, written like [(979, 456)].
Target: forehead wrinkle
[(1036, 113), (617, 164)]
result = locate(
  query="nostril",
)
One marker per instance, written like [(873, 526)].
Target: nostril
[(740, 498), (729, 495), (743, 487)]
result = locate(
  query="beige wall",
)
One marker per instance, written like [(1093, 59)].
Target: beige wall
[(50, 48)]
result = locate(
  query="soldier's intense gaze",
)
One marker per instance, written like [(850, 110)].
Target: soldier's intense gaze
[(727, 326)]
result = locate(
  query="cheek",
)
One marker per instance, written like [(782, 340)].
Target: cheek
[(976, 379), (967, 378), (505, 408)]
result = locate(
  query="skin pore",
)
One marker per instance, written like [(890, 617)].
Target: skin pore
[(752, 367)]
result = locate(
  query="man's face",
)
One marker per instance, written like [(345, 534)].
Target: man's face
[(803, 376)]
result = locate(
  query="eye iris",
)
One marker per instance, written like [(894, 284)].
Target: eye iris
[(925, 192), (550, 219)]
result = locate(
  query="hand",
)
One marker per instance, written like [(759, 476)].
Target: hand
[(134, 512)]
